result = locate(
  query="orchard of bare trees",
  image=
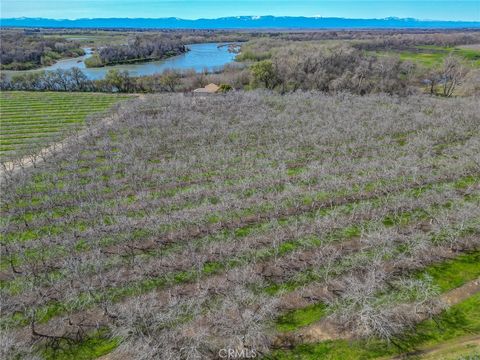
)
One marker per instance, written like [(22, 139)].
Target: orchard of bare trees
[(183, 226)]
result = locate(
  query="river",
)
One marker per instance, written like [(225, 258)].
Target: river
[(209, 56)]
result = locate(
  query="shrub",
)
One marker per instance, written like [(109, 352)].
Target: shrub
[(225, 88)]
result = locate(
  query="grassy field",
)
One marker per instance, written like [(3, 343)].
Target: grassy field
[(433, 56), (95, 38), (30, 120), (189, 224)]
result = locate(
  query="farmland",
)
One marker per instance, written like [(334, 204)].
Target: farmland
[(30, 120), (248, 221)]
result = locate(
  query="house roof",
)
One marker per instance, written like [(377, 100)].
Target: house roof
[(210, 88)]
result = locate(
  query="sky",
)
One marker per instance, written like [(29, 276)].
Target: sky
[(193, 9)]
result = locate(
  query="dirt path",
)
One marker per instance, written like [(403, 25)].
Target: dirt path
[(461, 293), (447, 350)]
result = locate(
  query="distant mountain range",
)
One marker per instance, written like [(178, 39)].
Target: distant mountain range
[(240, 22)]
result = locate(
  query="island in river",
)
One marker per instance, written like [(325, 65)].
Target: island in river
[(142, 49)]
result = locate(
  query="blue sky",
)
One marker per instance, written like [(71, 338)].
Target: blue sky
[(194, 9)]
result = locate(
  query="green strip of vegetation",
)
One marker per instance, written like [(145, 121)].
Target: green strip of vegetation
[(97, 344), (432, 56), (298, 318), (454, 273)]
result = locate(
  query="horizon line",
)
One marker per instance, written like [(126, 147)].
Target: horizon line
[(252, 17)]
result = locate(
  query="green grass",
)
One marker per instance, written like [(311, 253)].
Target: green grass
[(30, 120), (98, 344), (433, 56), (95, 38), (460, 320), (454, 273), (297, 318), (426, 59)]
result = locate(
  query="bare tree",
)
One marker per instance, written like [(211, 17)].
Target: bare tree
[(452, 74)]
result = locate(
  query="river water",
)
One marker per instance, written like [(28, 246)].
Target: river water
[(209, 56)]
